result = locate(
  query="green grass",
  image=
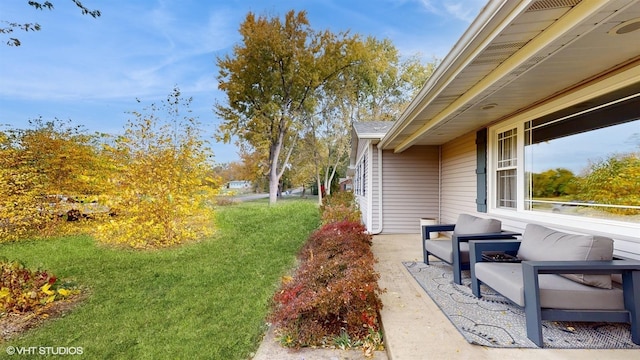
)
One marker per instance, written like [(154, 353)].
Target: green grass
[(205, 300)]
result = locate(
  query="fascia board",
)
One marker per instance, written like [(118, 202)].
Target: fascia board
[(457, 59), (572, 19)]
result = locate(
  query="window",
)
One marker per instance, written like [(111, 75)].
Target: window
[(357, 180), (364, 175), (360, 180), (506, 169), (582, 164)]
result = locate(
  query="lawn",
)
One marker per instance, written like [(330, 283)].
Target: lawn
[(205, 300)]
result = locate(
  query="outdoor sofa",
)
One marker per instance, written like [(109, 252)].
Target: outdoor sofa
[(561, 277), (455, 251)]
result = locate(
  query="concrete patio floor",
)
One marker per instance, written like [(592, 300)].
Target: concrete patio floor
[(415, 328)]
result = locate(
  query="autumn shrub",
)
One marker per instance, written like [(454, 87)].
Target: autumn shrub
[(23, 290), (38, 167), (20, 211), (339, 206), (161, 185), (333, 292)]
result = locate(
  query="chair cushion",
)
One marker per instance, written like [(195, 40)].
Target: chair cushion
[(466, 224), (555, 292), (543, 244), (469, 224), (443, 249)]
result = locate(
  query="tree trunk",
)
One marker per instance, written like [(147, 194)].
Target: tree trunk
[(273, 186), (319, 184), (274, 179)]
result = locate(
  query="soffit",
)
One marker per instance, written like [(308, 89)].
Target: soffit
[(584, 51)]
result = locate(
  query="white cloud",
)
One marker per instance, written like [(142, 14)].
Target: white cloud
[(92, 70), (134, 51), (465, 10), (462, 10)]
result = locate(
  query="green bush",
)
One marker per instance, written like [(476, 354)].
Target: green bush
[(334, 292)]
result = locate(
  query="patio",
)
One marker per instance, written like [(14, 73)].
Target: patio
[(414, 326)]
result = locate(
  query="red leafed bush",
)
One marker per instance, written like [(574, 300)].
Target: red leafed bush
[(23, 290), (334, 291)]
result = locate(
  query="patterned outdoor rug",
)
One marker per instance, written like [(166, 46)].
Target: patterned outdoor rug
[(494, 321)]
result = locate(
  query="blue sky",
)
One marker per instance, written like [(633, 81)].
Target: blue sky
[(92, 70)]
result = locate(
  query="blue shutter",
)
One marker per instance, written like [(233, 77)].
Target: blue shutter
[(481, 170)]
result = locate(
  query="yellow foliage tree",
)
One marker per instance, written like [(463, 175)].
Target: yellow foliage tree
[(20, 187), (272, 80), (38, 167), (64, 154), (161, 188)]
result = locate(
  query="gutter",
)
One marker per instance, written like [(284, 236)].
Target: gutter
[(380, 226), (449, 66)]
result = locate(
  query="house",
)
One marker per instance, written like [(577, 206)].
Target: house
[(532, 87), (345, 184), (239, 184)]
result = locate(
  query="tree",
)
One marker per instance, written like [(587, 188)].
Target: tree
[(21, 187), (39, 166), (376, 88), (554, 183), (386, 82), (161, 183), (65, 154), (616, 181), (9, 27), (271, 83)]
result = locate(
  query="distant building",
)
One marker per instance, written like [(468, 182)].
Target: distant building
[(346, 184), (239, 184)]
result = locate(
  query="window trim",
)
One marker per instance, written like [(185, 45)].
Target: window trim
[(618, 79), (361, 172), (613, 228)]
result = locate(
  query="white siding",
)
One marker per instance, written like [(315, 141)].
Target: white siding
[(363, 145), (364, 210), (459, 190), (410, 183)]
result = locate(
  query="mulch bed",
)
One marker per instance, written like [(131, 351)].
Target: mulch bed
[(14, 324)]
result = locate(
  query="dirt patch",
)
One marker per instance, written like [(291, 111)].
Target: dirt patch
[(13, 325)]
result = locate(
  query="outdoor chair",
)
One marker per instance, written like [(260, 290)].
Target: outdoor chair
[(455, 251), (561, 277)]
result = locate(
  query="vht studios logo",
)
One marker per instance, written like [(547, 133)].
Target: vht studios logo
[(44, 350)]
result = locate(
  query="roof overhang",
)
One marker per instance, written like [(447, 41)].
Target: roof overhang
[(520, 58), (372, 131)]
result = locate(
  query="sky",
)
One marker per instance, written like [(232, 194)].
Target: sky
[(94, 71), (577, 152)]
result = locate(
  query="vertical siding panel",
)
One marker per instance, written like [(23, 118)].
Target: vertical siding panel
[(363, 145), (410, 181), (459, 190)]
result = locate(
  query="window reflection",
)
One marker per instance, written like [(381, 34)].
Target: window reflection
[(579, 169)]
